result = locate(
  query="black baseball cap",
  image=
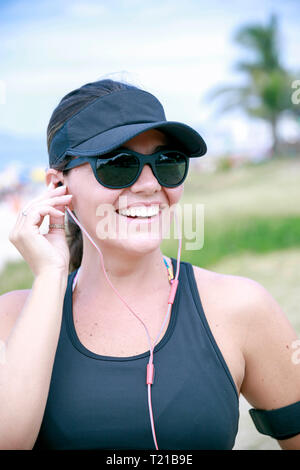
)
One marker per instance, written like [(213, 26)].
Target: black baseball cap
[(112, 119)]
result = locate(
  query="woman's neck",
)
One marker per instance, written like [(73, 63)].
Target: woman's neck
[(131, 274)]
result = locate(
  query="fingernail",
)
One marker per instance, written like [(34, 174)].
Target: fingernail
[(50, 185)]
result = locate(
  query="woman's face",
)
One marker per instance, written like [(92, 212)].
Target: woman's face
[(96, 206)]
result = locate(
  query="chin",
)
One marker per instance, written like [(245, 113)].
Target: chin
[(141, 245)]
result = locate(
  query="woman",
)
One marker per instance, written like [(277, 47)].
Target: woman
[(78, 344)]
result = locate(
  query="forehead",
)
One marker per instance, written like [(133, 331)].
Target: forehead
[(151, 138)]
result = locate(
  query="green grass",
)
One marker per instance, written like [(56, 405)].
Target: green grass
[(252, 208), (269, 188), (254, 234), (14, 276)]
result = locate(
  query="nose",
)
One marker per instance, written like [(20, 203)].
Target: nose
[(146, 182)]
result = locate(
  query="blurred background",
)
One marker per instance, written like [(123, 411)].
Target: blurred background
[(230, 70)]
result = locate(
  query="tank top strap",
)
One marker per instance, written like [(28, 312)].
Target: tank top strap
[(189, 285)]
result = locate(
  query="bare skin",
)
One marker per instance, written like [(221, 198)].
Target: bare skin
[(250, 329)]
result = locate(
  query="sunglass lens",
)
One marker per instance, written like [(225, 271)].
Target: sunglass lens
[(117, 171), (171, 168)]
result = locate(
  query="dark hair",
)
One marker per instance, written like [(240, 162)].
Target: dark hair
[(67, 107)]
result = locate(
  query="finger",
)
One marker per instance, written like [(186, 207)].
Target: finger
[(38, 213), (55, 190), (58, 201), (60, 204), (50, 191), (33, 221)]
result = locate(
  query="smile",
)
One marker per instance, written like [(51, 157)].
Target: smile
[(140, 211)]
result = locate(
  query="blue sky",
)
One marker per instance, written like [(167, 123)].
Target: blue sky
[(178, 50)]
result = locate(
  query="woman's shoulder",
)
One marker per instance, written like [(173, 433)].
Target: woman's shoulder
[(226, 281), (11, 304), (243, 303), (236, 295)]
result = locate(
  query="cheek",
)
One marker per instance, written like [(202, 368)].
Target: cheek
[(88, 194), (174, 194)]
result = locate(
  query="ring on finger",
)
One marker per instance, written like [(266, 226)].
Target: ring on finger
[(57, 226)]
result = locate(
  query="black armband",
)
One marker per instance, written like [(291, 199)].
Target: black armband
[(281, 423)]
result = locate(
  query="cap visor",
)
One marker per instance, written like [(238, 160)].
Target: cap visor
[(113, 138)]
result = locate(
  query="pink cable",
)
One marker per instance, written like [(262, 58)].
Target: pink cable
[(170, 303), (150, 366)]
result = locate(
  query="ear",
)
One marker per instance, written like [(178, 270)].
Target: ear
[(54, 176), (57, 178)]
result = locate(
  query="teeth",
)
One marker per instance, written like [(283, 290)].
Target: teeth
[(141, 211)]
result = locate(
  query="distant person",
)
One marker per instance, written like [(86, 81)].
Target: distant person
[(78, 348), (16, 201)]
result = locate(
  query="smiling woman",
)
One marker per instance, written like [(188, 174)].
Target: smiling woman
[(86, 95), (83, 323)]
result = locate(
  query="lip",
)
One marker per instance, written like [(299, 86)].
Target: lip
[(161, 205)]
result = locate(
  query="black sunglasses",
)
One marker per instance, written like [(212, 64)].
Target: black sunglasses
[(121, 168)]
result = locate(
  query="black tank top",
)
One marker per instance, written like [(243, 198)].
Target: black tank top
[(101, 402)]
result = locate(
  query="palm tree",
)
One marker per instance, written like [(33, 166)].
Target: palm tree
[(267, 91)]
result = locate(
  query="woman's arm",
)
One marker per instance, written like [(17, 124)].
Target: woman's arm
[(28, 354), (272, 373)]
